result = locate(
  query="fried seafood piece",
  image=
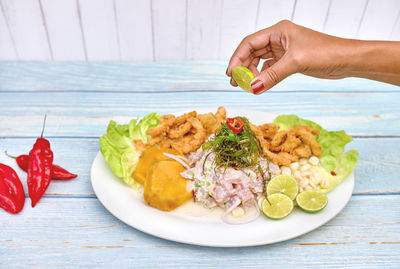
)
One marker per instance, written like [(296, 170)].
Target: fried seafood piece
[(180, 130), (185, 133), (192, 141), (285, 141), (140, 146), (268, 130), (181, 119), (221, 114), (281, 158), (290, 144), (306, 134), (303, 151), (306, 128), (210, 122), (165, 122), (286, 146)]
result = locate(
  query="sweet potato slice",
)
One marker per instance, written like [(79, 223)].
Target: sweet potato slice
[(164, 187), (148, 158)]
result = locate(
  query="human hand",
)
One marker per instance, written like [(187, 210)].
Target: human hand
[(290, 48)]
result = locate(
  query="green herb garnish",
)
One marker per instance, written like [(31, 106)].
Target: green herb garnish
[(233, 149)]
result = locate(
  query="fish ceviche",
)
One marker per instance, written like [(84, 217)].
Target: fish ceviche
[(229, 163)]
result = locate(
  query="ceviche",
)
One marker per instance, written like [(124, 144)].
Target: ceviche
[(229, 163)]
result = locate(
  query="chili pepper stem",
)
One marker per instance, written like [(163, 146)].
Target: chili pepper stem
[(44, 123), (5, 152)]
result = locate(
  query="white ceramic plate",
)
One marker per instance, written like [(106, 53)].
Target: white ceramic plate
[(193, 225)]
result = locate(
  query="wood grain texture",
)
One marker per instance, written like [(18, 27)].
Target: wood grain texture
[(344, 17), (65, 33), (134, 29), (363, 114), (311, 13), (31, 44), (376, 171), (99, 29), (154, 77), (169, 29), (373, 26), (272, 11), (203, 29), (395, 33), (7, 44), (86, 235), (238, 20)]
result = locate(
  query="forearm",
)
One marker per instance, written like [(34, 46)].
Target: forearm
[(376, 60)]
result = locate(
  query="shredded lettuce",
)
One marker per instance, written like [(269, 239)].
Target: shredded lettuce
[(119, 150), (333, 157)]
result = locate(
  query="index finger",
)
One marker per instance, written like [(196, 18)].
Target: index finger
[(244, 53)]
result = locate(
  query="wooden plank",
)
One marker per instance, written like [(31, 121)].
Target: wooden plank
[(311, 13), (376, 171), (373, 25), (32, 44), (273, 11), (169, 20), (357, 113), (344, 17), (81, 233), (154, 77), (99, 29), (64, 30), (7, 44), (203, 29), (134, 29), (238, 20)]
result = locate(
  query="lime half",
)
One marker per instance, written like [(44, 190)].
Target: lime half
[(278, 206), (312, 200), (243, 76), (284, 184)]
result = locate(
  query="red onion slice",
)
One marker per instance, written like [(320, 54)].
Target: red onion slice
[(242, 220), (179, 159)]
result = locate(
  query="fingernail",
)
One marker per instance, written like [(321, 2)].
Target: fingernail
[(257, 86)]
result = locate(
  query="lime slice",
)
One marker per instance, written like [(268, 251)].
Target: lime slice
[(278, 206), (284, 184), (243, 76), (312, 200)]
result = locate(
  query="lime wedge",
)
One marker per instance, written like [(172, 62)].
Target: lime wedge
[(278, 206), (312, 200), (284, 184), (243, 76)]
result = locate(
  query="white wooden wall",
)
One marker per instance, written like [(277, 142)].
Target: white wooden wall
[(157, 30)]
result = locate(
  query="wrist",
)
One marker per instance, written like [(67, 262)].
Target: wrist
[(372, 59)]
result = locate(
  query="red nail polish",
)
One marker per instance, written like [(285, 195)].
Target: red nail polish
[(257, 86)]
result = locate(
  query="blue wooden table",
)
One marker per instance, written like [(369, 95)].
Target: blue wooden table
[(70, 228)]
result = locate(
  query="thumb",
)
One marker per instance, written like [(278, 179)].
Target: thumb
[(271, 76)]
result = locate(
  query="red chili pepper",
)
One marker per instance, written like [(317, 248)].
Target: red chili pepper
[(333, 173), (39, 168), (57, 172), (235, 124), (12, 196)]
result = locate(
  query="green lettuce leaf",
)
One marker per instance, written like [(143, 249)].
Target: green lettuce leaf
[(333, 157), (119, 150)]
